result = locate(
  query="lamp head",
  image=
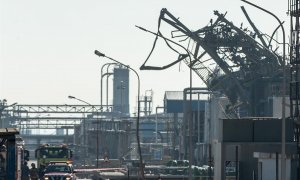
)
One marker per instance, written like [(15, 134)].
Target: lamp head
[(14, 104), (71, 97), (99, 53)]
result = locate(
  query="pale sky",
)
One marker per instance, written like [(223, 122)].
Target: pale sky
[(47, 47)]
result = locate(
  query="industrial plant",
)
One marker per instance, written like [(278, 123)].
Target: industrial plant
[(243, 124)]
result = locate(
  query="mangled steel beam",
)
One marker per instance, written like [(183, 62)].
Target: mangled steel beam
[(227, 58)]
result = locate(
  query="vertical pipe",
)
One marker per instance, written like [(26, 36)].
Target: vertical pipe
[(190, 126), (156, 125), (107, 90), (67, 133), (108, 74), (84, 137), (236, 162), (156, 122), (185, 126), (121, 98), (145, 105), (198, 117), (276, 166), (97, 143), (101, 85), (198, 127)]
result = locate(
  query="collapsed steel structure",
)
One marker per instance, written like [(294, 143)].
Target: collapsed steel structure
[(228, 59), (246, 70)]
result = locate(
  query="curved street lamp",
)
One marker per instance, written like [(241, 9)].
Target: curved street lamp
[(84, 129), (72, 97), (138, 113), (283, 153)]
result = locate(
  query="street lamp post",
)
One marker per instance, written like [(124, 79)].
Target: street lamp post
[(138, 113), (84, 130), (283, 153)]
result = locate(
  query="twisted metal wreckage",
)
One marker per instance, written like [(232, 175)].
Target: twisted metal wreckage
[(228, 59)]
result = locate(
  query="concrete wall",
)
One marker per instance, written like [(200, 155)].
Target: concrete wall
[(268, 168), (277, 106), (248, 163), (214, 134)]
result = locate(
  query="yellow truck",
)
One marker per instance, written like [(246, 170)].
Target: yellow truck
[(49, 153)]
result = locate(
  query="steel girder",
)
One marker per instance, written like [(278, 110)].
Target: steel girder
[(239, 61)]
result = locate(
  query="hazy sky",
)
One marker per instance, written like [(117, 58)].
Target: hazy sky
[(47, 47)]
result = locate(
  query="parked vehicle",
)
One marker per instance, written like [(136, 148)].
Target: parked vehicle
[(47, 153), (59, 170)]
